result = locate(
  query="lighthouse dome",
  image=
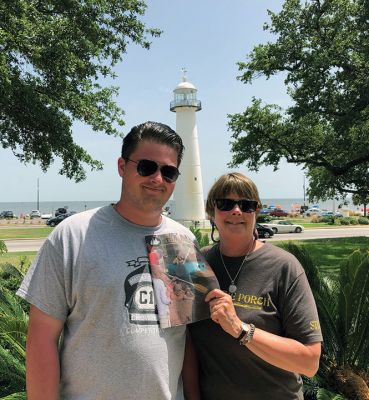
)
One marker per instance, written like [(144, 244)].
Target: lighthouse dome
[(185, 85)]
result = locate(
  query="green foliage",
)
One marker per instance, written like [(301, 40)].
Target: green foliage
[(342, 304), (345, 221), (13, 330), (263, 218), (3, 248), (202, 238), (363, 221), (321, 48), (52, 57)]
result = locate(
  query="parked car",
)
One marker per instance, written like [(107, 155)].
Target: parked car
[(331, 214), (60, 210), (35, 214), (264, 232), (284, 227), (57, 219), (7, 214), (312, 211), (278, 212), (46, 216)]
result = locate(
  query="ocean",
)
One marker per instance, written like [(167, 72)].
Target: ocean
[(49, 207)]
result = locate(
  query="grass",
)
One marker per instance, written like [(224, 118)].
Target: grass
[(15, 258), (24, 233), (328, 254)]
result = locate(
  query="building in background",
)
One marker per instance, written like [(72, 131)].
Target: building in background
[(188, 194)]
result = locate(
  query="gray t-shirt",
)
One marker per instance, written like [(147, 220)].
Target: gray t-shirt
[(272, 293), (92, 272)]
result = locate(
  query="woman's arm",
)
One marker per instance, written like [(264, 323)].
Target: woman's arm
[(190, 371), (42, 359), (284, 353)]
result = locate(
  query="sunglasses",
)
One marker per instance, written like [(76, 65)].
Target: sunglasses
[(246, 206), (169, 173)]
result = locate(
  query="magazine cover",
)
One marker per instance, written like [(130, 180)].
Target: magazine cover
[(181, 279)]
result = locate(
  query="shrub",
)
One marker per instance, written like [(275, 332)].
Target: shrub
[(345, 221), (3, 248), (363, 221), (353, 221), (202, 238), (263, 218)]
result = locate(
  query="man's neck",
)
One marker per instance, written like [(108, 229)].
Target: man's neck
[(136, 216)]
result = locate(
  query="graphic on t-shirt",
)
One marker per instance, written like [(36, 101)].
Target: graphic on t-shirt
[(140, 295)]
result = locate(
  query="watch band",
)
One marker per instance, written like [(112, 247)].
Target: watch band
[(249, 335), (243, 331)]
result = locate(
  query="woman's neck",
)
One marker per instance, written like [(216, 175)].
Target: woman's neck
[(236, 248)]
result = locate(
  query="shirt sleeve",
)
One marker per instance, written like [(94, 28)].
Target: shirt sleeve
[(299, 313), (44, 283)]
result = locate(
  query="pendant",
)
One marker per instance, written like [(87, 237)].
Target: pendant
[(232, 288)]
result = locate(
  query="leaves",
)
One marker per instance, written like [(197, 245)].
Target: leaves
[(52, 58), (322, 50)]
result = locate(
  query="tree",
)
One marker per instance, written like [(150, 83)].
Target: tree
[(53, 53), (322, 49)]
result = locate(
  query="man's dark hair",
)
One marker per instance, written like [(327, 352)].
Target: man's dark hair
[(155, 132)]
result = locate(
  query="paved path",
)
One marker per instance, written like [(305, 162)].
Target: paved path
[(35, 244)]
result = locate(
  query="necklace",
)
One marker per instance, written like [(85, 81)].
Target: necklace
[(232, 288)]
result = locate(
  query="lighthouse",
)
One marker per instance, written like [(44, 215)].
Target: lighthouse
[(188, 194)]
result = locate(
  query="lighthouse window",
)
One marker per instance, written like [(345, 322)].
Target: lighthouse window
[(195, 178)]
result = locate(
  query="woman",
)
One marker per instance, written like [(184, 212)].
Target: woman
[(264, 331)]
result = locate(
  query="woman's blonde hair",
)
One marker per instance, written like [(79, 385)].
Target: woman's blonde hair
[(231, 183)]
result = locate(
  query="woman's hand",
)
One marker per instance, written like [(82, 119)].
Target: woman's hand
[(223, 313)]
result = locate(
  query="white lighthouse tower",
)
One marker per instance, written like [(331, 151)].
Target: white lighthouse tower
[(188, 194)]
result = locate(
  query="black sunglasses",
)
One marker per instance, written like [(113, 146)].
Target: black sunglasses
[(246, 206), (148, 167)]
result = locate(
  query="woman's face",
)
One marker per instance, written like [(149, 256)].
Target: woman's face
[(234, 222)]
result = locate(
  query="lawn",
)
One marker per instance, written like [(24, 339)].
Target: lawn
[(24, 232), (17, 258), (329, 253)]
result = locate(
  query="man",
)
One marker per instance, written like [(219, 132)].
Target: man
[(90, 289)]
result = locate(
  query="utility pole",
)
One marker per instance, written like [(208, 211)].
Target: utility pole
[(38, 194)]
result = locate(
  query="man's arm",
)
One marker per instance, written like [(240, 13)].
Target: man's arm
[(42, 359)]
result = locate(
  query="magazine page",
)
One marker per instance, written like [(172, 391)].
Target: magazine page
[(181, 279)]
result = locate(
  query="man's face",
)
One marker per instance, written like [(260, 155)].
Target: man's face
[(147, 193)]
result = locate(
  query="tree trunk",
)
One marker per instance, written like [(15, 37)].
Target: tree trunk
[(349, 384)]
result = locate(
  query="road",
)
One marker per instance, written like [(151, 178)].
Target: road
[(35, 244), (323, 233)]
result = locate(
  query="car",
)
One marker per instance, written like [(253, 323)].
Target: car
[(57, 219), (60, 210), (46, 216), (35, 214), (331, 214), (264, 232), (312, 211), (278, 212), (284, 227), (7, 214)]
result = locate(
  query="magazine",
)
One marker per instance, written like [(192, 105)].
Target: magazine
[(181, 279)]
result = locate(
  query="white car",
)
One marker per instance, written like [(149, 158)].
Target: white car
[(35, 214), (284, 227), (312, 211)]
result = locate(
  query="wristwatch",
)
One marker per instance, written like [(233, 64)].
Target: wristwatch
[(246, 334), (244, 330)]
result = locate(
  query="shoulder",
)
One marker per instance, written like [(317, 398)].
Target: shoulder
[(173, 226), (280, 259)]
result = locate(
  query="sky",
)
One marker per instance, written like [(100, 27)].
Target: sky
[(206, 37)]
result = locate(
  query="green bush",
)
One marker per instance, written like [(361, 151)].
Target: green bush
[(202, 238), (3, 248), (363, 221), (263, 218), (345, 221), (353, 221)]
